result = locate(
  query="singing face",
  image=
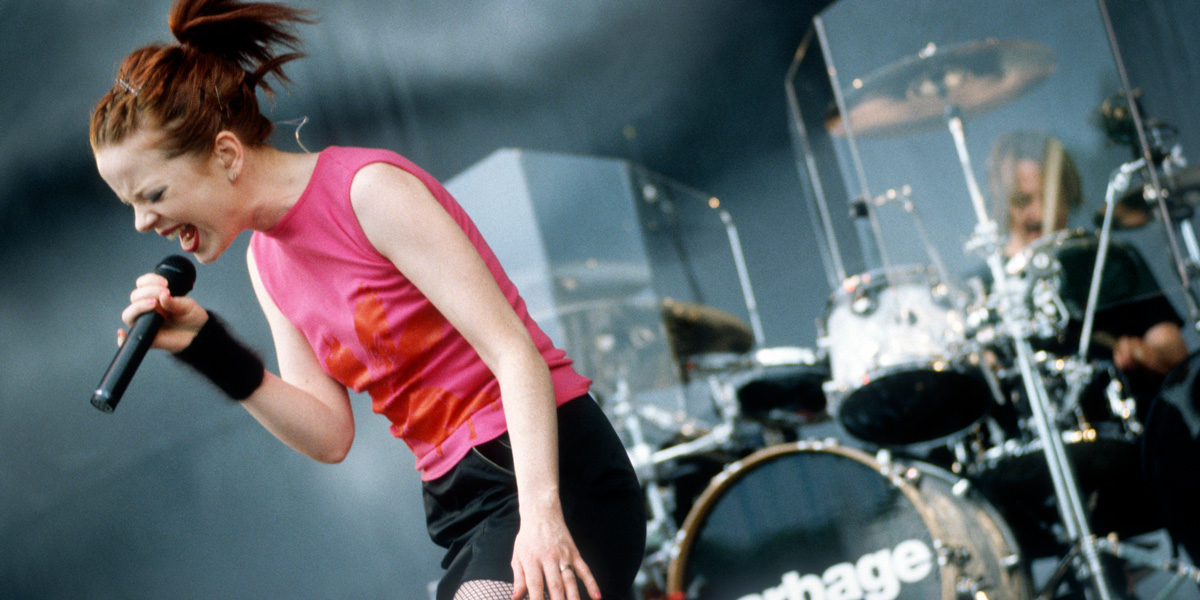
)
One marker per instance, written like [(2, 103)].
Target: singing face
[(191, 198), (1026, 206)]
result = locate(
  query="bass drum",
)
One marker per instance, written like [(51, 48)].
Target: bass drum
[(815, 520)]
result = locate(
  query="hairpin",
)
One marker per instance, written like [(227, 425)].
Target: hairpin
[(121, 81)]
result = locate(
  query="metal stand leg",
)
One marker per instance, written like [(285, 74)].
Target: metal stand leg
[(1066, 489), (660, 529), (1015, 321)]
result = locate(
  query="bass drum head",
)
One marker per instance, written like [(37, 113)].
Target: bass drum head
[(814, 520)]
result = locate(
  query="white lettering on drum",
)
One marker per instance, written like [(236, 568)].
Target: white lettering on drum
[(874, 576)]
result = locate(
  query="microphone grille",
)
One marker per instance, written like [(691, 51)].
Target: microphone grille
[(180, 274)]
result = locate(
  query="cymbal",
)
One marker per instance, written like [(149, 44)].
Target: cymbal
[(913, 93), (697, 329)]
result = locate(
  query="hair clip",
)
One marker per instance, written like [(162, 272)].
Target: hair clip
[(121, 81)]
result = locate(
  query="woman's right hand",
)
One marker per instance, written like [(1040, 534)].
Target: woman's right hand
[(183, 317)]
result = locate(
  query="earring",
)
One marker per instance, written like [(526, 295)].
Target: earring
[(233, 176)]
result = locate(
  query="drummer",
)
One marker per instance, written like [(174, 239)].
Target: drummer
[(1032, 205), (1149, 342)]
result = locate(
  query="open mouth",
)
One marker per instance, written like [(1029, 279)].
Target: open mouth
[(189, 238)]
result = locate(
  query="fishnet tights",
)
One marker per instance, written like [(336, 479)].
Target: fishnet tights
[(482, 589)]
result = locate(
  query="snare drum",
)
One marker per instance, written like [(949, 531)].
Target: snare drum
[(814, 520), (899, 374)]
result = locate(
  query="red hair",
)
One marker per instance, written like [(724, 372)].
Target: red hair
[(204, 84)]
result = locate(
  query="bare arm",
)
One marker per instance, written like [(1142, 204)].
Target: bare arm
[(407, 225), (1158, 350), (307, 410)]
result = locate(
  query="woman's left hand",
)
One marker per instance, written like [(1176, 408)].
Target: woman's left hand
[(545, 558)]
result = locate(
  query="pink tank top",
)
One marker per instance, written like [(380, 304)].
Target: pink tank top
[(375, 332)]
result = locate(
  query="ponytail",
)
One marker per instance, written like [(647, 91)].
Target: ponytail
[(207, 82)]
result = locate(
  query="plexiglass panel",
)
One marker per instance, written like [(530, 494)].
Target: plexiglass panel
[(900, 69), (597, 246)]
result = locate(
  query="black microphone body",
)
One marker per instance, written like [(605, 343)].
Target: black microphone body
[(180, 275)]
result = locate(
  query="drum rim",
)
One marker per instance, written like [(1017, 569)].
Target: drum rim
[(922, 275), (703, 506), (881, 277), (837, 397), (961, 365)]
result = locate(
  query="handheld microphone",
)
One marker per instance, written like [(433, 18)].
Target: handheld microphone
[(180, 274)]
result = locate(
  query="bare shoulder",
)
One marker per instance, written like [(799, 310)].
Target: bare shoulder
[(399, 215), (378, 186)]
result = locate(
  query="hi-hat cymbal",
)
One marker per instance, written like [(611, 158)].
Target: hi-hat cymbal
[(913, 93)]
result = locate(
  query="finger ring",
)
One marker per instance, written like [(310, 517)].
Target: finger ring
[(565, 568)]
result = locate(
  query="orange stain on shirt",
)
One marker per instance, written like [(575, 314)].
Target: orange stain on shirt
[(344, 366), (396, 359)]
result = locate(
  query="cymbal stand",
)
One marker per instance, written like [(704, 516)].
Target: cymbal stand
[(1078, 370), (660, 529), (903, 195), (1015, 322), (739, 259), (1183, 268), (1117, 182)]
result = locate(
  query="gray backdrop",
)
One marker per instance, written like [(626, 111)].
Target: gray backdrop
[(180, 494)]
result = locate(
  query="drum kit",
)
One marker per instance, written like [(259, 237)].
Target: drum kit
[(976, 430)]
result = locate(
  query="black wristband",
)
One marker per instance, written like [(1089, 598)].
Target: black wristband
[(225, 361)]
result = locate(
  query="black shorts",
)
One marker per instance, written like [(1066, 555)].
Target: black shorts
[(472, 509)]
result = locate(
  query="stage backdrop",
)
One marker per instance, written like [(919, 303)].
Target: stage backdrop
[(180, 494)]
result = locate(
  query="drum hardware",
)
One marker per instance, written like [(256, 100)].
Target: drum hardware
[(725, 436), (659, 483), (739, 259), (904, 196), (1015, 321), (1041, 313), (1182, 572), (1124, 407), (640, 453), (1131, 554), (1148, 152), (660, 528)]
